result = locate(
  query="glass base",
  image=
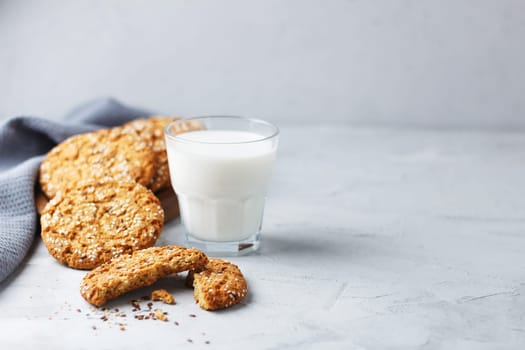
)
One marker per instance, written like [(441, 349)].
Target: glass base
[(218, 249)]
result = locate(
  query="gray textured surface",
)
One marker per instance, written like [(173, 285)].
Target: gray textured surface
[(373, 239), (435, 62)]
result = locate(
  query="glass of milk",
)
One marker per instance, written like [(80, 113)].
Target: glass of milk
[(221, 174)]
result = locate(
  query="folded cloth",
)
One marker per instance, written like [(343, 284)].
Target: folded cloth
[(23, 143)]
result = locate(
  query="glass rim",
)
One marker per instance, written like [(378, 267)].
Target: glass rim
[(180, 138)]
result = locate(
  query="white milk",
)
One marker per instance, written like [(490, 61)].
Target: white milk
[(221, 187)]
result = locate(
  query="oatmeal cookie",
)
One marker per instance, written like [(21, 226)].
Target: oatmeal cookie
[(107, 154), (151, 131), (141, 268), (87, 226), (219, 285)]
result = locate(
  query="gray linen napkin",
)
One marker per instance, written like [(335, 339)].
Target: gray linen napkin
[(23, 143)]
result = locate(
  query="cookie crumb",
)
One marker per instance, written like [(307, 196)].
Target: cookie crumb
[(162, 295), (159, 315)]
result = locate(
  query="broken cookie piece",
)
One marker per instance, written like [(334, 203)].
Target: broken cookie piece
[(219, 285), (160, 315), (162, 295), (142, 268)]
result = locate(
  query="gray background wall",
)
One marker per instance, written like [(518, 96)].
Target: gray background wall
[(444, 63)]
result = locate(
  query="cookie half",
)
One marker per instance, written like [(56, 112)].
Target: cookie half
[(87, 226), (151, 131), (219, 285), (102, 155), (142, 268)]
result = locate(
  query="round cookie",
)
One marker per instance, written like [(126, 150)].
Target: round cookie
[(219, 285), (89, 225), (151, 131), (102, 155)]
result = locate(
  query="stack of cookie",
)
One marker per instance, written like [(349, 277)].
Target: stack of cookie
[(103, 214), (100, 185)]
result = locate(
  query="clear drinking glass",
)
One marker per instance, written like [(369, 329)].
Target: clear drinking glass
[(221, 174)]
